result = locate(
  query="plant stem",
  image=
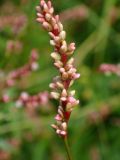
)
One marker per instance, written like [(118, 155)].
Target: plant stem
[(67, 148)]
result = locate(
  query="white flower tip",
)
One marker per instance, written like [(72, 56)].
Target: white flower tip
[(24, 95), (55, 56), (62, 35), (72, 93), (55, 95), (18, 104), (64, 93), (54, 126), (34, 66), (52, 43), (64, 126)]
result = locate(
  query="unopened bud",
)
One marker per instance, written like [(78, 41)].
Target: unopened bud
[(34, 66), (53, 22), (76, 75), (57, 18), (58, 117), (39, 15), (47, 26), (62, 35), (48, 17), (60, 107), (40, 20), (64, 76), (72, 70), (64, 126), (51, 35), (64, 46), (61, 133), (69, 107), (57, 39), (64, 93), (45, 7), (71, 83), (58, 64), (63, 99), (49, 4), (71, 47), (62, 70), (24, 96), (42, 2), (70, 61), (60, 26), (55, 56), (60, 85), (51, 10), (38, 9), (72, 93), (52, 85), (55, 95), (54, 126), (52, 42), (60, 112), (18, 104)]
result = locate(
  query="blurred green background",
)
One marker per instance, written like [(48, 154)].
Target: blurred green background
[(94, 128)]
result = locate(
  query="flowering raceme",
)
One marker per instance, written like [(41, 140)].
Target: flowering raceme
[(16, 23), (32, 65), (63, 62), (10, 80), (33, 101), (110, 69)]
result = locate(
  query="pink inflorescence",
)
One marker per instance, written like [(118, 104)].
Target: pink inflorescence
[(32, 65), (110, 69), (63, 62), (17, 23), (32, 101)]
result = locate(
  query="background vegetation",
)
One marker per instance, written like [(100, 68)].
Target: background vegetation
[(94, 129)]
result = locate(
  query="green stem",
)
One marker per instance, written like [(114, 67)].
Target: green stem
[(67, 148)]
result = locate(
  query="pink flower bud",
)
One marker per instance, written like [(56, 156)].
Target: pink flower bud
[(58, 117), (24, 96), (71, 47), (6, 98)]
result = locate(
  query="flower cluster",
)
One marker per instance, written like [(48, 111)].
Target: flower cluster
[(32, 101), (63, 62), (17, 23), (110, 68), (32, 65)]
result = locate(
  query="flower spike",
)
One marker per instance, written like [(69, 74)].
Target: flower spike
[(63, 62)]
